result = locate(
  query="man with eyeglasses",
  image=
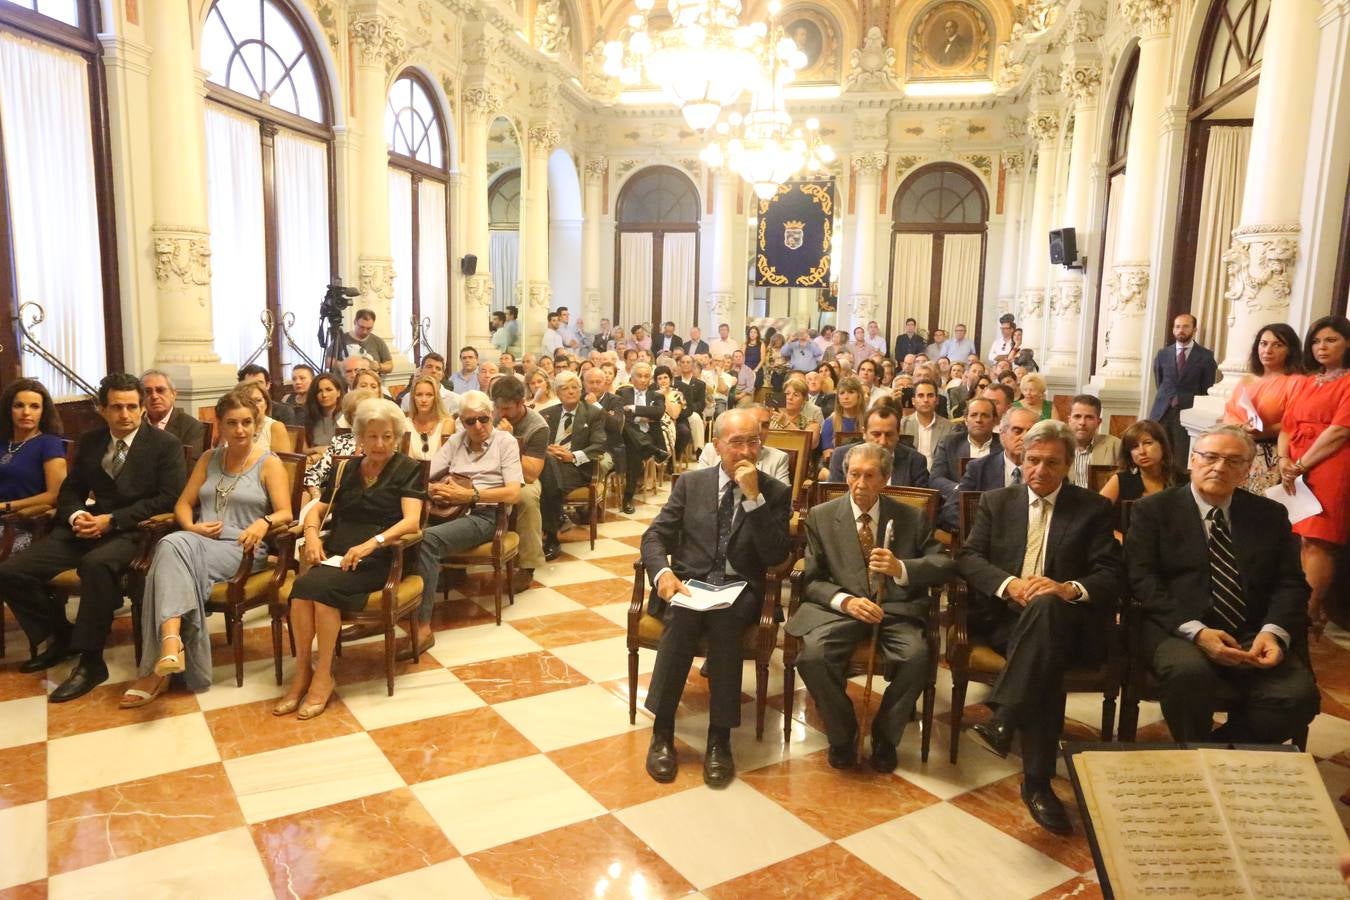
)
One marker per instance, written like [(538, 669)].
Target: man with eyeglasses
[(161, 412), (1217, 571), (466, 379), (771, 461)]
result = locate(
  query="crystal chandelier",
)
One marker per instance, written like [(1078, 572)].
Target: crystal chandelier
[(704, 61)]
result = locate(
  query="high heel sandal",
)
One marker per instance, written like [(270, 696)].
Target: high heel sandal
[(134, 698), (172, 663)]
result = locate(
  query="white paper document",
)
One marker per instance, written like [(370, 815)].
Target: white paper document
[(1302, 504), (706, 597), (1253, 417), (334, 561)]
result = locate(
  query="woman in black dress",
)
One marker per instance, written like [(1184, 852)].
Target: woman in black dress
[(374, 501), (1146, 465)]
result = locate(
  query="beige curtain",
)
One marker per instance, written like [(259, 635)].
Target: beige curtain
[(960, 281), (635, 278), (1115, 197), (911, 279), (1220, 209), (678, 252)]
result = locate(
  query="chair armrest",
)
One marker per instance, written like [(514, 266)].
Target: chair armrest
[(958, 648), (773, 590), (157, 521), (28, 514), (795, 590)]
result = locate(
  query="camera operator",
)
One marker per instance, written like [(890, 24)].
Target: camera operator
[(363, 341)]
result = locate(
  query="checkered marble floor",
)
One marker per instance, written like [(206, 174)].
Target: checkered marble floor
[(505, 766)]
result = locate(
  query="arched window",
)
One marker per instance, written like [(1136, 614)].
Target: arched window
[(504, 235), (57, 238), (1121, 117), (656, 249), (504, 200), (270, 189), (939, 231), (419, 224)]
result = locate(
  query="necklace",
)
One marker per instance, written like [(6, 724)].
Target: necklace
[(1326, 377), (223, 490), (15, 448), (369, 480)]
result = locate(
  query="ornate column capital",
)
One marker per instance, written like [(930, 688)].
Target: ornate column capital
[(1126, 288), (1151, 18), (544, 137), (481, 103), (596, 167), (540, 293), (871, 162), (375, 278), (182, 256), (1014, 163), (378, 41), (478, 295), (1081, 81), (1043, 126), (1260, 267)]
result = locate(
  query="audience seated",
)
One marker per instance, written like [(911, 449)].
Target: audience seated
[(1032, 387), (532, 439), (675, 407), (643, 438), (999, 468), (433, 367), (975, 440), (160, 411), (1091, 446), (846, 414), (539, 389), (255, 374), (771, 461), (1144, 464), (345, 444), (599, 394), (302, 379), (797, 414), (271, 434), (577, 437), (430, 422), (927, 426), (323, 407), (1272, 378), (34, 463), (883, 428)]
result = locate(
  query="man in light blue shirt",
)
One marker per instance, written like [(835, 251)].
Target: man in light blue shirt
[(801, 355), (958, 347), (466, 379)]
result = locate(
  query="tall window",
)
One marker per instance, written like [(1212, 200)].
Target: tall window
[(1115, 180), (269, 177), (504, 237), (57, 245), (418, 215), (656, 257)]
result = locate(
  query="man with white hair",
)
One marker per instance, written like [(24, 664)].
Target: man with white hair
[(353, 365), (642, 436), (771, 461), (576, 442)]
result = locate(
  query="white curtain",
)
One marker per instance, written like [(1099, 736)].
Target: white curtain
[(401, 249), (49, 162), (234, 197), (911, 279), (1114, 198), (504, 264), (1220, 209), (302, 237), (960, 281), (679, 253), (432, 261), (635, 278)]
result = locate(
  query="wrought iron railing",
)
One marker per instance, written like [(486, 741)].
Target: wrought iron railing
[(287, 323), (269, 325), (36, 315), (419, 337)]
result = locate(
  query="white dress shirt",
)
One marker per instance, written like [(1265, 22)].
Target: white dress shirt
[(1049, 499), (747, 506), (874, 519)]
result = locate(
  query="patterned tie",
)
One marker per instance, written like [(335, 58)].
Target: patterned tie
[(1181, 360), (867, 540), (1225, 587), (1017, 475), (1033, 559), (119, 459), (566, 438), (726, 513)]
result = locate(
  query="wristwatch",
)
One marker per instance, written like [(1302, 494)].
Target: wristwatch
[(379, 539)]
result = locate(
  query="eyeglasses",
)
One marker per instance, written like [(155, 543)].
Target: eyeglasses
[(475, 420), (1214, 459), (744, 443)]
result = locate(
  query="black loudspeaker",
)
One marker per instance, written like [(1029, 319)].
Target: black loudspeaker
[(1064, 247), (468, 264)]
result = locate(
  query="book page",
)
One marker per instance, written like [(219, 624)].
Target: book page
[(1287, 834)]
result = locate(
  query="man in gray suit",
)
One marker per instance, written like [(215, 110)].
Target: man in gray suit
[(845, 555), (160, 411)]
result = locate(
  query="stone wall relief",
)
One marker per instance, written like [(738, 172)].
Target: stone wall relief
[(872, 67)]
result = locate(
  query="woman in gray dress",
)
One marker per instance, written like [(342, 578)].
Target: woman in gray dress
[(242, 491)]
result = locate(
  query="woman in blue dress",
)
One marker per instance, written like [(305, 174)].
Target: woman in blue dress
[(32, 454)]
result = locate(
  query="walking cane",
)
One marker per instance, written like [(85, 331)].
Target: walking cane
[(865, 726)]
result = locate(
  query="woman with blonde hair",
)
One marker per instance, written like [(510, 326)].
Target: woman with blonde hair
[(1033, 390), (431, 424), (539, 390), (797, 414)]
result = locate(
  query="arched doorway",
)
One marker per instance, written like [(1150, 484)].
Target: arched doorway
[(1121, 117), (939, 232), (1222, 103), (656, 249), (564, 233), (504, 200)]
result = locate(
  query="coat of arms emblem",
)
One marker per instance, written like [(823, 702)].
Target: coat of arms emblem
[(794, 234)]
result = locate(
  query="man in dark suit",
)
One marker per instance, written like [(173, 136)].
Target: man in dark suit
[(1044, 572), (695, 393), (823, 400), (667, 341), (695, 345), (1217, 571), (909, 342), (976, 441), (720, 525), (160, 411), (133, 471), (576, 441), (909, 468), (845, 555), (599, 396), (1182, 371), (1000, 468), (642, 434)]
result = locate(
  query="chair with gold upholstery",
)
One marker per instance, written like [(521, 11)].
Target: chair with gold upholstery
[(501, 553), (929, 501), (1098, 476), (591, 497), (800, 443)]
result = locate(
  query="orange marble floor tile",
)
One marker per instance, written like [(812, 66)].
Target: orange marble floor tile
[(599, 593), (113, 822), (334, 848), (98, 710), (1000, 804), (613, 769), (826, 873), (837, 803), (23, 775), (458, 613), (564, 629), (595, 858), (250, 728), (621, 566), (1084, 887), (34, 890), (514, 677), (15, 685), (804, 708), (632, 540), (365, 662), (257, 644), (694, 701), (447, 745)]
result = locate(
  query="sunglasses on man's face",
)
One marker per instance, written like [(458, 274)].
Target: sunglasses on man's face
[(476, 420)]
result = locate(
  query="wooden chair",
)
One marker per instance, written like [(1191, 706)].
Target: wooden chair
[(844, 438), (800, 443), (591, 497), (929, 501), (971, 660), (297, 436), (501, 552), (36, 520), (757, 643), (1118, 424), (961, 465), (1098, 476)]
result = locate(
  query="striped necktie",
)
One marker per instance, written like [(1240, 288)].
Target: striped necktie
[(1225, 586), (118, 460)]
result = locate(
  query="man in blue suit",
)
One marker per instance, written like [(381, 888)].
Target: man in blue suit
[(882, 428), (1182, 370), (1000, 469)]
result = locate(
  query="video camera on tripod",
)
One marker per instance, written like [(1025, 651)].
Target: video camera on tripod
[(336, 299)]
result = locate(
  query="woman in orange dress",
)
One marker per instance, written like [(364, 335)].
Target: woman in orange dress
[(1313, 445), (1272, 375)]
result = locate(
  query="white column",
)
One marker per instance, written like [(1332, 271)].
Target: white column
[(1125, 289), (480, 107), (1043, 125), (1015, 170), (1080, 81), (538, 294), (861, 306), (720, 301), (593, 210)]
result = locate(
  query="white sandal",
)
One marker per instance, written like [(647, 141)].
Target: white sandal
[(134, 698), (172, 663)]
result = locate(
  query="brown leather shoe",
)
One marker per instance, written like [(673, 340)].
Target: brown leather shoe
[(405, 651)]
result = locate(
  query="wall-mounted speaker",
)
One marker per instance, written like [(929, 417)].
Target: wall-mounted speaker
[(468, 264), (1064, 247)]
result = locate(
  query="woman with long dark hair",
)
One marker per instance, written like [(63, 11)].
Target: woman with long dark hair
[(32, 455), (1272, 375), (754, 348)]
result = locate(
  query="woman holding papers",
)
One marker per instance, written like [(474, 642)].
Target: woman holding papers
[(1259, 400), (1313, 447)]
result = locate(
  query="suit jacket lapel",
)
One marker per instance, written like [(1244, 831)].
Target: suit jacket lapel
[(850, 549), (1016, 533), (1061, 521)]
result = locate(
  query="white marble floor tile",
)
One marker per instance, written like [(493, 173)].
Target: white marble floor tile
[(617, 528), (259, 683), (1328, 735), (604, 660), (570, 572), (23, 721), (307, 776), (750, 753), (603, 547), (460, 646), (114, 755), (929, 853), (509, 801), (417, 695), (1337, 779), (224, 866), (452, 878), (574, 716), (23, 844), (615, 612), (121, 663), (534, 602), (975, 766), (710, 836)]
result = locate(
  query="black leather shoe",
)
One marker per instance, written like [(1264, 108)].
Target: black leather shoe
[(57, 652), (844, 756), (883, 755), (718, 765), (628, 508), (995, 736), (82, 680), (661, 764), (1046, 809), (520, 582), (552, 549)]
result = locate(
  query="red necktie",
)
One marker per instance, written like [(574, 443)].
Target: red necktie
[(1181, 360)]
